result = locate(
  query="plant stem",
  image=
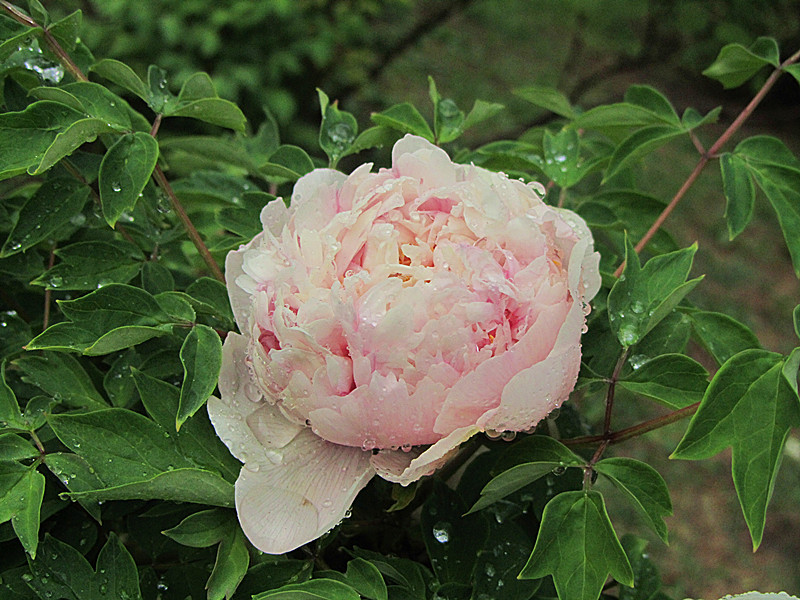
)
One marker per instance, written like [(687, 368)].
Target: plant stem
[(616, 437), (191, 230), (63, 57), (48, 292), (712, 153)]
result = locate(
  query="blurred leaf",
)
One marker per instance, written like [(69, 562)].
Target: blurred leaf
[(578, 546), (338, 130), (642, 297), (750, 407), (201, 355), (122, 75), (673, 379), (66, 30), (643, 487), (89, 265), (21, 493), (794, 71), (62, 377), (315, 589), (125, 170), (740, 194), (735, 64), (721, 335), (448, 119), (244, 220), (547, 98), (405, 118), (647, 582), (38, 13), (56, 203), (449, 537)]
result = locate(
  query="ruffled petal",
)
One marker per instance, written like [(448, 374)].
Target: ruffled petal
[(302, 492), (403, 467)]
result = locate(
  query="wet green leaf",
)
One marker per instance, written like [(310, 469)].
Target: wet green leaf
[(673, 379), (89, 265), (21, 493), (338, 130), (643, 141), (547, 98), (740, 193), (201, 355), (63, 377), (122, 75), (315, 589), (211, 110), (14, 447), (721, 335), (70, 139), (124, 172), (230, 566), (202, 529), (405, 118)]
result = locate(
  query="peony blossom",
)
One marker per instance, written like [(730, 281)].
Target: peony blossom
[(386, 318)]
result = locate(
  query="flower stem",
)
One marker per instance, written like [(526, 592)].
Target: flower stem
[(712, 153)]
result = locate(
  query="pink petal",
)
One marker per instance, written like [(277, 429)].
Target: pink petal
[(240, 299), (299, 495)]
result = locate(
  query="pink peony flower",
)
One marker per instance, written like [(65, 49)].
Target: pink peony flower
[(386, 318)]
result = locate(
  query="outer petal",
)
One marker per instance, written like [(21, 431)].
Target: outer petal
[(240, 300), (406, 467), (305, 491)]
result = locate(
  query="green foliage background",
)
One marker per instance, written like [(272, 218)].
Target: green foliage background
[(368, 55)]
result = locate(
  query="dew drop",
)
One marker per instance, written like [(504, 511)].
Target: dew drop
[(115, 186), (441, 532)]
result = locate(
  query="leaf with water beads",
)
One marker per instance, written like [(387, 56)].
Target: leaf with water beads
[(124, 172), (21, 493), (643, 296), (338, 130)]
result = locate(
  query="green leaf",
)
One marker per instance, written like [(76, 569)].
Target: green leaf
[(201, 356), (647, 581), (26, 135), (114, 304), (94, 100), (14, 447), (735, 64), (642, 297), (69, 140), (210, 110), (135, 458), (547, 98), (230, 566), (197, 439), (21, 493), (481, 111), (643, 486), (61, 571), (366, 579), (449, 537), (56, 203), (77, 476), (122, 75), (740, 193), (337, 132), (125, 170), (211, 297), (750, 407), (156, 279), (63, 377), (794, 71), (288, 162), (503, 557), (374, 137), (72, 337), (66, 30), (562, 161), (448, 119), (641, 142), (405, 118), (89, 265), (158, 96), (202, 529), (315, 589), (785, 200), (197, 87), (673, 379), (578, 547), (721, 335), (692, 119), (178, 306), (533, 458), (654, 101), (10, 415), (38, 13)]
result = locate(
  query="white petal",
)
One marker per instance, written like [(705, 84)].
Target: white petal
[(274, 216), (406, 467), (301, 493), (240, 299)]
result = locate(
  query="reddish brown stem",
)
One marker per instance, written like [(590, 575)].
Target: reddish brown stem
[(191, 230), (48, 292), (712, 153), (616, 437)]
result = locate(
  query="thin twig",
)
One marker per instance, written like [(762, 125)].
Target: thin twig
[(713, 152), (191, 230), (616, 437), (612, 386), (48, 292)]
